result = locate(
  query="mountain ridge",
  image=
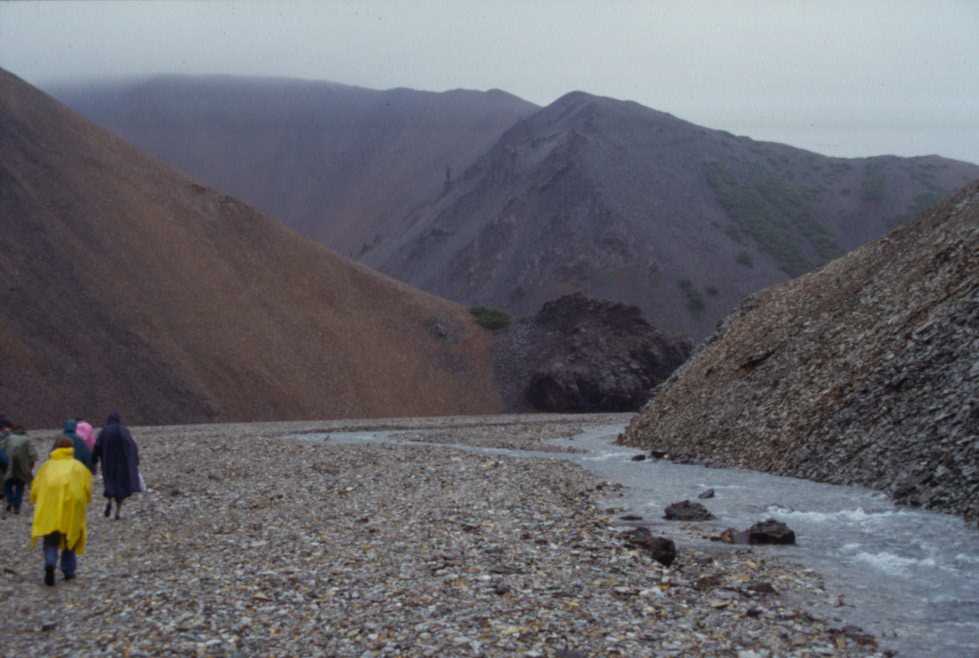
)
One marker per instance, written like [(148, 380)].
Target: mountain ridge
[(589, 194), (130, 286), (631, 204)]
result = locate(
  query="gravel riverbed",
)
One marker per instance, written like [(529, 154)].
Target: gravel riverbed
[(252, 541)]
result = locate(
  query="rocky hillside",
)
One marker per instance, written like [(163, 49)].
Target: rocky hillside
[(335, 162), (579, 354), (487, 199), (863, 372), (125, 285), (626, 203)]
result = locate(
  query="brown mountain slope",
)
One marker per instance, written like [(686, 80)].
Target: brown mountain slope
[(863, 372), (332, 161), (126, 285), (626, 203)]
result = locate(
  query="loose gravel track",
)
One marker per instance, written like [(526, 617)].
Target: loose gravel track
[(252, 541)]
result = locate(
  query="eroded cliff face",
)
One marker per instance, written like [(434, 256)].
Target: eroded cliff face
[(583, 354), (866, 371)]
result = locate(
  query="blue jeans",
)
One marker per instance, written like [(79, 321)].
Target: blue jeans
[(69, 562), (13, 491)]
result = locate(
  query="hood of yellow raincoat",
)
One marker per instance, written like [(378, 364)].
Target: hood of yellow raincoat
[(61, 492)]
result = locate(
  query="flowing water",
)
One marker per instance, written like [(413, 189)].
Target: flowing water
[(908, 576)]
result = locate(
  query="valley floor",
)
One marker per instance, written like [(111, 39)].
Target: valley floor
[(252, 541)]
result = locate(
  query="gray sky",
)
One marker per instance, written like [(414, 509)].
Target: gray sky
[(857, 77)]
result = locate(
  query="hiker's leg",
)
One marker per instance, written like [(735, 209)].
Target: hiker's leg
[(118, 507), (52, 543), (18, 495), (68, 563), (108, 507)]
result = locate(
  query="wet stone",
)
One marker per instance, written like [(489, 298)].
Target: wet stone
[(686, 510)]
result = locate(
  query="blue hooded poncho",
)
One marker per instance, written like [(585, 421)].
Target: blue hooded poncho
[(120, 459)]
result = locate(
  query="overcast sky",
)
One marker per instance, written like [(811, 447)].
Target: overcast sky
[(857, 77)]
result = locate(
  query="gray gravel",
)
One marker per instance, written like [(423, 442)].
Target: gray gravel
[(252, 543)]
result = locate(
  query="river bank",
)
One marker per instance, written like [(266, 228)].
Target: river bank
[(253, 541)]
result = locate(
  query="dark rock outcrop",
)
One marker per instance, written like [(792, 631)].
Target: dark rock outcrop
[(686, 510), (661, 549), (582, 354), (703, 495), (863, 372)]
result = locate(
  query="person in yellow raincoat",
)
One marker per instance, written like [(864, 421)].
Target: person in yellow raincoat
[(61, 492)]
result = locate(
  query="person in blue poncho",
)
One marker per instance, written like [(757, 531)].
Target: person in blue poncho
[(82, 453), (119, 455)]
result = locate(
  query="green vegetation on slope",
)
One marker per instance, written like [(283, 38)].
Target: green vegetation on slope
[(695, 300), (776, 215), (490, 318)]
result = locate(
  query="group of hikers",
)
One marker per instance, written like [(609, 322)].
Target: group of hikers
[(61, 488)]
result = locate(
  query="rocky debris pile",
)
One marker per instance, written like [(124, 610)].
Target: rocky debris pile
[(687, 511), (769, 531), (863, 372), (584, 355), (277, 546)]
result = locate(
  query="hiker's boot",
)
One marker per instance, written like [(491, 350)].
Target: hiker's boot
[(49, 576), (108, 509)]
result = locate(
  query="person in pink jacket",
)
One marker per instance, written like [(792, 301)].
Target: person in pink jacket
[(87, 433)]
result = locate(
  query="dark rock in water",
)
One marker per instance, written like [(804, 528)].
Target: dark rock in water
[(770, 532), (661, 549), (686, 510), (763, 532), (703, 495), (639, 458), (658, 454), (631, 517)]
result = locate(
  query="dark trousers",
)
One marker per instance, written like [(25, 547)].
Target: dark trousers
[(13, 491), (69, 562)]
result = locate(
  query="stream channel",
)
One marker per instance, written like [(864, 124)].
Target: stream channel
[(908, 576)]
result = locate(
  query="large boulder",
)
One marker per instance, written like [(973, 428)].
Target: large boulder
[(582, 354), (686, 510), (769, 531)]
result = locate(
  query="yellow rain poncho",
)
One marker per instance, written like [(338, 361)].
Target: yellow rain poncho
[(61, 492)]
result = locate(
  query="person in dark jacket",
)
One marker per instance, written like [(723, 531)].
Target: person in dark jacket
[(82, 453), (22, 457), (5, 426), (119, 455)]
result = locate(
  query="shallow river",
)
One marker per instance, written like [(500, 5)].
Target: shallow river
[(910, 577)]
